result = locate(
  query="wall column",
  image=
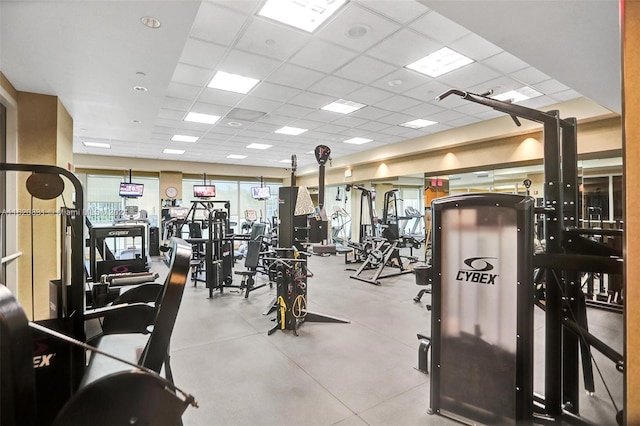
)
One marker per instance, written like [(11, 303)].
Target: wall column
[(45, 136), (630, 20)]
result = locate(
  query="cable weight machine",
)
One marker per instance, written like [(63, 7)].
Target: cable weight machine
[(568, 253)]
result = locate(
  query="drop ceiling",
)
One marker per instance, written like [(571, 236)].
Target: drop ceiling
[(91, 54)]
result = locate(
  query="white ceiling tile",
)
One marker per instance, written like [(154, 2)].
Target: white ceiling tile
[(400, 81), (306, 124), (365, 70), (464, 121), (396, 130), (334, 86), (323, 116), (220, 97), (425, 110), (257, 104), (349, 121), (489, 114), (468, 76), (370, 113), (171, 114), (396, 119), (248, 64), (529, 75), (401, 11), (182, 91), (550, 87), (216, 24), (331, 129), (294, 111), (567, 95), (271, 39), (439, 28), (274, 92), (323, 56), (475, 47), (398, 103), (428, 91), (499, 85), (276, 120), (404, 47), (176, 104), (246, 7), (373, 126), (446, 116), (202, 53), (264, 127), (369, 95), (538, 102), (194, 76), (471, 108), (206, 108), (311, 100), (295, 76), (337, 31), (505, 62)]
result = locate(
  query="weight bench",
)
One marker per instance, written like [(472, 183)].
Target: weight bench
[(251, 268), (119, 394)]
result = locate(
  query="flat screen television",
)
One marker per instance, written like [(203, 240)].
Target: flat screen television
[(131, 190), (204, 191), (261, 192)]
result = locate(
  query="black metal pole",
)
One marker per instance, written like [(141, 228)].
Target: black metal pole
[(553, 292), (321, 187)]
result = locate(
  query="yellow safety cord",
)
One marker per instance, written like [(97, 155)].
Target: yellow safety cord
[(283, 310)]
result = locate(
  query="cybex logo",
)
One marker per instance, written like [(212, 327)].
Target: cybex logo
[(478, 271), (42, 360), (117, 233)]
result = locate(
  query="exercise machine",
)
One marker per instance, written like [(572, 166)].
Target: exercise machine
[(568, 253)]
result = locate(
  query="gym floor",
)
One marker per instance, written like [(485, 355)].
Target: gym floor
[(361, 373)]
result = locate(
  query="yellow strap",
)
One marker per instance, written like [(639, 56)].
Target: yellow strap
[(283, 310)]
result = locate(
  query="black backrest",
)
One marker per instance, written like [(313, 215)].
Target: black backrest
[(253, 254), (156, 349), (257, 231), (17, 380)]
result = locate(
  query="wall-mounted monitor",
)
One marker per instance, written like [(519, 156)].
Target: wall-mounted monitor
[(131, 190), (261, 192), (204, 191)]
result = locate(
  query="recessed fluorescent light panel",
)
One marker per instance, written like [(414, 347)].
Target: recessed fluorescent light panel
[(197, 117), (236, 157), (518, 95), (343, 107), (258, 146), (288, 160), (440, 62), (96, 145), (306, 15), (232, 82), (293, 131), (173, 151), (358, 141), (184, 138), (419, 123)]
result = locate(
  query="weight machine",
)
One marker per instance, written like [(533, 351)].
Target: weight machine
[(568, 253), (386, 250), (218, 244)]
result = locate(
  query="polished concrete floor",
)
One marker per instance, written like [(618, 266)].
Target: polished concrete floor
[(360, 373)]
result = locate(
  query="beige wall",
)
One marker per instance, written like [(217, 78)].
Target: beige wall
[(167, 179), (45, 134), (631, 112), (593, 137)]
